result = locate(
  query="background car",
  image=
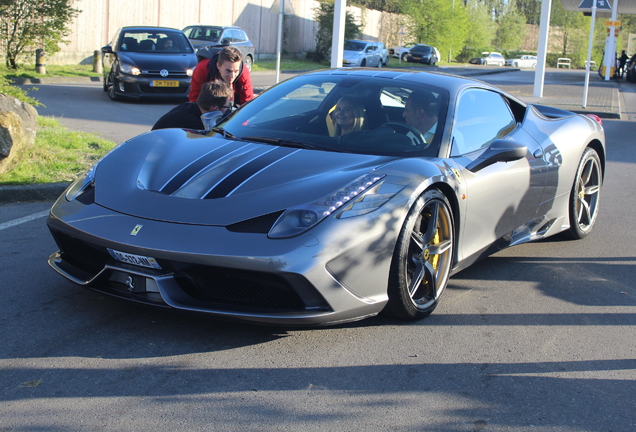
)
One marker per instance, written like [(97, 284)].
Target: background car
[(364, 53), (523, 61), (137, 63), (401, 51), (422, 53), (207, 40), (272, 218), (493, 58)]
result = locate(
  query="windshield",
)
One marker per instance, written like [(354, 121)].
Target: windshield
[(422, 49), (354, 46), (341, 113), (211, 34), (156, 41)]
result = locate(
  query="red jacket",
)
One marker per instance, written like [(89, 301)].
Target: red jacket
[(242, 85)]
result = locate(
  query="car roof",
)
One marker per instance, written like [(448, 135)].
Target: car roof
[(213, 26), (150, 28), (452, 83)]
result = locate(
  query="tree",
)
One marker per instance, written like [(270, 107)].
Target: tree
[(482, 28), (324, 17), (29, 24), (441, 23), (531, 9), (511, 29), (573, 27)]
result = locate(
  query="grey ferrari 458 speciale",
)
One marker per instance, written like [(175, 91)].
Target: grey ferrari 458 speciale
[(331, 197)]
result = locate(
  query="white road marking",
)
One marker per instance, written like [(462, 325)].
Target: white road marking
[(23, 219)]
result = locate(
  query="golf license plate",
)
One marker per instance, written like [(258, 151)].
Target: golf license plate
[(138, 260), (160, 83)]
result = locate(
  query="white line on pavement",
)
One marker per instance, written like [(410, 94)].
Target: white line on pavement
[(23, 219)]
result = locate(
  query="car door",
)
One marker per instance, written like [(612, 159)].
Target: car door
[(502, 197)]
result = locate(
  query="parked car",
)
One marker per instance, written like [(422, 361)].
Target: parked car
[(523, 61), (365, 53), (271, 218), (401, 51), (207, 40), (137, 63), (493, 58), (422, 53)]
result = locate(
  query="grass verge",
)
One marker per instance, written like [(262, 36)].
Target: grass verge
[(58, 155)]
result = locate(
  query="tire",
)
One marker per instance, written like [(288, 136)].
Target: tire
[(515, 64), (111, 88), (404, 57), (363, 63), (422, 258), (380, 64), (248, 62), (585, 195)]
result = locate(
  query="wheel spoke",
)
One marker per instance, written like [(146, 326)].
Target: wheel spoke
[(584, 212), (441, 247), (587, 172), (417, 278), (431, 229), (591, 190)]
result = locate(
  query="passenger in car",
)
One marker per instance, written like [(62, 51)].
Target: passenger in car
[(213, 98), (165, 44), (421, 112), (349, 116)]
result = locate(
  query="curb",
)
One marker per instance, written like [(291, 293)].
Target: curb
[(31, 193)]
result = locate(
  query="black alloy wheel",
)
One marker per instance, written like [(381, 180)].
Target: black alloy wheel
[(585, 195), (422, 258)]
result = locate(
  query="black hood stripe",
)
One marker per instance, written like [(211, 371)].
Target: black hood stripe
[(187, 173), (239, 176)]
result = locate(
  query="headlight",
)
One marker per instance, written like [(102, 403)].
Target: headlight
[(358, 197), (129, 69), (189, 72), (82, 184)]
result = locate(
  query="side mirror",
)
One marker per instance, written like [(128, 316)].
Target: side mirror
[(499, 151), (107, 49), (225, 41)]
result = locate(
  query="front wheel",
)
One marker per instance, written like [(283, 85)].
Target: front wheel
[(422, 258), (112, 83), (363, 63), (404, 57), (585, 195)]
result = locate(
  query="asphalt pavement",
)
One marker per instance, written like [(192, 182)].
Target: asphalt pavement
[(563, 88)]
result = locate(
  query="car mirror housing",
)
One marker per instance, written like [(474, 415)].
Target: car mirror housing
[(107, 49), (499, 151)]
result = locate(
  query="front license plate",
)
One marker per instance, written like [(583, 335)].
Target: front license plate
[(156, 83), (139, 260)]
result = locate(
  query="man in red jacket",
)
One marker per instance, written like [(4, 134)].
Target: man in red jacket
[(227, 66)]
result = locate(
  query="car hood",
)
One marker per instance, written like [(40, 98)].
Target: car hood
[(158, 61), (180, 176)]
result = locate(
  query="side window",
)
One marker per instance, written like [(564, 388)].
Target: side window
[(481, 117), (240, 36)]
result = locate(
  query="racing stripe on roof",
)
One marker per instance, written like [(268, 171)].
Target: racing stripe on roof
[(239, 176)]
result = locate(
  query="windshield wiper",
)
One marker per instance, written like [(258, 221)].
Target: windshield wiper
[(223, 132), (286, 142)]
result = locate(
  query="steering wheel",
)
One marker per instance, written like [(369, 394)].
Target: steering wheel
[(415, 135)]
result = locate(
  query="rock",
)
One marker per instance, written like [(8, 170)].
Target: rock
[(18, 123)]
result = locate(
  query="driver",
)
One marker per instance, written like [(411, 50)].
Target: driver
[(421, 112)]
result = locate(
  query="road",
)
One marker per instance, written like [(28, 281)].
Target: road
[(540, 337)]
